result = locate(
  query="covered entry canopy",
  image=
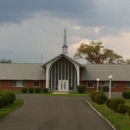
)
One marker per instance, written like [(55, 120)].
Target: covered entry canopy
[(62, 73)]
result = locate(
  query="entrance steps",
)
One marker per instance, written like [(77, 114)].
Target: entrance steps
[(60, 92)]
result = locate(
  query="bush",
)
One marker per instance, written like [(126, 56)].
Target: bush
[(122, 109), (24, 90), (100, 98), (107, 102), (128, 112), (31, 90), (45, 90), (81, 88), (38, 90), (11, 95), (126, 94), (92, 94), (115, 102), (2, 102), (5, 97)]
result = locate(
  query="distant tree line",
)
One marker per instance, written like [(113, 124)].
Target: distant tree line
[(5, 61)]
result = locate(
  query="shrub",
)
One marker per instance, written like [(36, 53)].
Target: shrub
[(128, 112), (122, 109), (24, 90), (5, 97), (126, 94), (31, 90), (38, 90), (45, 90), (2, 102), (107, 102), (115, 102), (92, 94), (81, 88), (11, 96), (100, 98)]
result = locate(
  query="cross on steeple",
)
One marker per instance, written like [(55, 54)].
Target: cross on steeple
[(64, 47)]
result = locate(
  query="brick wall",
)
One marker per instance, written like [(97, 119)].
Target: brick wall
[(9, 85), (119, 86)]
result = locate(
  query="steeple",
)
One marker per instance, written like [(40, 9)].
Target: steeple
[(64, 47)]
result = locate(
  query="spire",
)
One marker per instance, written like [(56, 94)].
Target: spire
[(64, 47)]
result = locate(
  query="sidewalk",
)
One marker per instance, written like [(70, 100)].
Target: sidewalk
[(60, 93)]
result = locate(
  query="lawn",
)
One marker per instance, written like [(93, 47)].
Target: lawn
[(70, 94), (120, 122), (11, 107)]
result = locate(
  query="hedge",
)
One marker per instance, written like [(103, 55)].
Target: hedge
[(38, 90), (126, 94), (98, 97), (6, 97), (81, 88), (24, 90), (31, 90), (122, 109), (113, 103), (45, 90)]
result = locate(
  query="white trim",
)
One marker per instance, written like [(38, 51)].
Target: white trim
[(49, 64)]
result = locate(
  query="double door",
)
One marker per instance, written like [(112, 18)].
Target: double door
[(63, 85)]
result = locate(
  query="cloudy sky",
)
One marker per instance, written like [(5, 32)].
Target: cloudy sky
[(32, 28)]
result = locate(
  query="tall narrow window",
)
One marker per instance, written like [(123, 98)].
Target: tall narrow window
[(36, 83), (128, 84), (90, 84)]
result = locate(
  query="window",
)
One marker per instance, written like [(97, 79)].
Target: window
[(107, 83), (19, 83), (36, 83), (128, 84), (90, 84)]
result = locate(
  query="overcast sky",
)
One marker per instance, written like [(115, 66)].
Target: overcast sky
[(32, 28)]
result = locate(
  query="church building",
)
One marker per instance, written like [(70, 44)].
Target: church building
[(63, 73)]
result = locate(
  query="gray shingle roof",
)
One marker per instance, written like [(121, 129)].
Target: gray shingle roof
[(22, 71), (102, 71)]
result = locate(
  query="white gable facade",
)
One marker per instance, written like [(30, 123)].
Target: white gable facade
[(62, 73)]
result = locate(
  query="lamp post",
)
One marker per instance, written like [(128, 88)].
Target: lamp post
[(97, 83), (110, 78)]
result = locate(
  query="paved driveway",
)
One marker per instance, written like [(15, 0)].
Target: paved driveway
[(53, 113)]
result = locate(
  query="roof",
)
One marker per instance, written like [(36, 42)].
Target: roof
[(63, 55), (21, 71), (103, 71)]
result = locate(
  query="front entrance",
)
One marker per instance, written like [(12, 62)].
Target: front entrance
[(63, 85)]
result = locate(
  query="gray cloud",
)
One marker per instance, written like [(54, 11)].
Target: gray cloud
[(88, 13)]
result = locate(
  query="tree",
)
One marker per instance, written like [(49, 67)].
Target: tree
[(5, 61), (93, 50)]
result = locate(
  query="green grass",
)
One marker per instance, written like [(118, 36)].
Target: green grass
[(121, 122), (66, 95), (70, 94), (11, 107)]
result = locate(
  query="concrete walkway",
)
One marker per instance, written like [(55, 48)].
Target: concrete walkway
[(54, 113), (60, 92)]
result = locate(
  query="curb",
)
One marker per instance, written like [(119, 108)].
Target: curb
[(15, 109), (100, 115)]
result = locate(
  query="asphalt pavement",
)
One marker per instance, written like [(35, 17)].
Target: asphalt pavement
[(53, 113)]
